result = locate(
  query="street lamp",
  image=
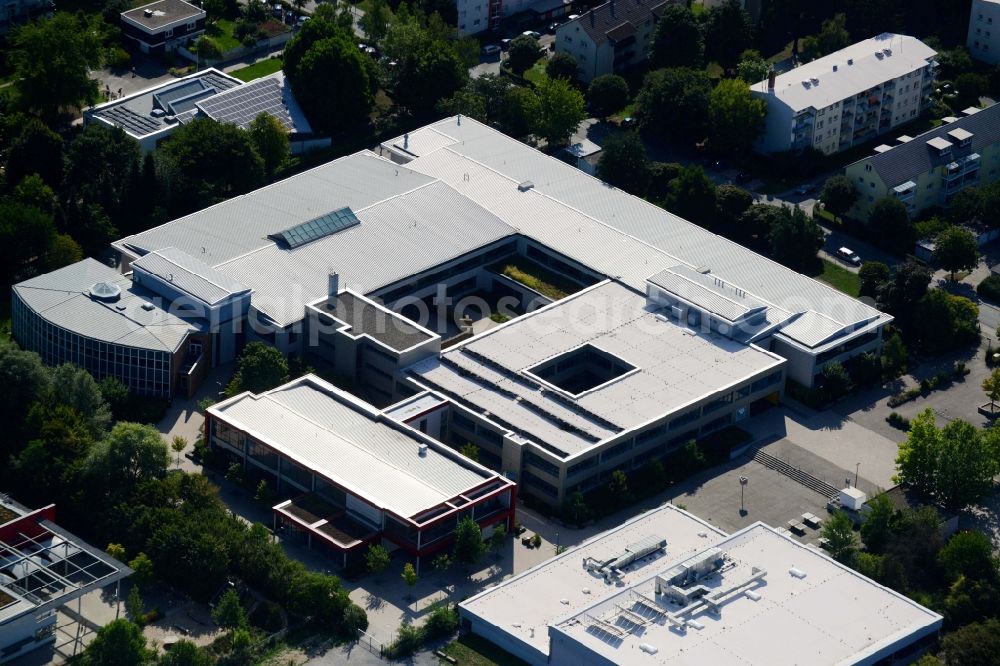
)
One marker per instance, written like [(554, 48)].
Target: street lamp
[(743, 484)]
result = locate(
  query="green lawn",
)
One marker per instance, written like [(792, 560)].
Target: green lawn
[(537, 72), (221, 30), (258, 69), (472, 650), (840, 278)]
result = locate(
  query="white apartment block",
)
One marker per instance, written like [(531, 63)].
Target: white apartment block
[(848, 97), (983, 41)]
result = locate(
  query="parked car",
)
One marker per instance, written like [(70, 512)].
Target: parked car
[(553, 26), (302, 21), (849, 255), (491, 49), (532, 34), (370, 50), (628, 122), (504, 44), (277, 11)]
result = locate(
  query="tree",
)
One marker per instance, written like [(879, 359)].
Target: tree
[(377, 558), (731, 202), (375, 22), (991, 386), (623, 163), (75, 387), (607, 93), (116, 550), (32, 191), (134, 605), (560, 111), (576, 512), (441, 563), (562, 66), (26, 234), (900, 295), (518, 111), (322, 599), (178, 444), (409, 576), (142, 570), (916, 462), (271, 141), (752, 67), (840, 538), (969, 87), (832, 37), (323, 58), (118, 643), (469, 546), (428, 67), (186, 653), (728, 33), (24, 378), (260, 367), (873, 275), (470, 451), (956, 249), (45, 84), (498, 538), (522, 54), (208, 162), (47, 469), (890, 220), (965, 467), (33, 149), (976, 644), (837, 381), (207, 49), (672, 105), (131, 454), (618, 489), (795, 238), (970, 554), (839, 194), (677, 41), (876, 526), (691, 195), (229, 613), (947, 322), (735, 118), (63, 251), (894, 355)]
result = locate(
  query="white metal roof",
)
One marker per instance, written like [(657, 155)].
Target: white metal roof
[(62, 298), (343, 439), (193, 277), (610, 230), (828, 615), (674, 367), (534, 599), (816, 84)]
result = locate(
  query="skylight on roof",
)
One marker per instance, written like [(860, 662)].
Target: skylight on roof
[(316, 228)]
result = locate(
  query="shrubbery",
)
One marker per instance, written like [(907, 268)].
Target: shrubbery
[(989, 288), (441, 622)]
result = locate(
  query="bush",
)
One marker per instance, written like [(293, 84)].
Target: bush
[(408, 640), (442, 621), (897, 421), (989, 289), (118, 58)]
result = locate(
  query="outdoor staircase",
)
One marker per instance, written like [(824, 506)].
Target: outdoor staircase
[(795, 474)]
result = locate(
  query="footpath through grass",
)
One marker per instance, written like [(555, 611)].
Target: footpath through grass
[(840, 278), (258, 69)]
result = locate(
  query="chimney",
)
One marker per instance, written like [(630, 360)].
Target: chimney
[(406, 141), (835, 68), (458, 119), (771, 76), (333, 283)]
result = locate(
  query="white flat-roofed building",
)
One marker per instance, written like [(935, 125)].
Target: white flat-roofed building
[(983, 40), (363, 476), (848, 97), (604, 379), (667, 589)]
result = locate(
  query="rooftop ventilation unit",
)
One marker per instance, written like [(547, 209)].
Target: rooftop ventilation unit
[(524, 186), (611, 568), (422, 450), (879, 55), (148, 13), (850, 61)]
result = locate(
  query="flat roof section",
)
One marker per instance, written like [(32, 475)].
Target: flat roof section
[(671, 367), (188, 274), (773, 601), (163, 12), (366, 318), (354, 445), (524, 606)]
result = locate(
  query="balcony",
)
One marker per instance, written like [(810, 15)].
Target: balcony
[(905, 191)]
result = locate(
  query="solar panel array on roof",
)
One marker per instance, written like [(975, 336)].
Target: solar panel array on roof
[(241, 105), (132, 121), (316, 228)]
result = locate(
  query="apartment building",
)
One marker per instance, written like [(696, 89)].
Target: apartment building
[(163, 26), (849, 97), (610, 37), (983, 40), (930, 169)]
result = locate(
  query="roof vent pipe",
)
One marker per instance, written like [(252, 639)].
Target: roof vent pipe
[(422, 449), (458, 119), (771, 78), (333, 283), (406, 141)]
